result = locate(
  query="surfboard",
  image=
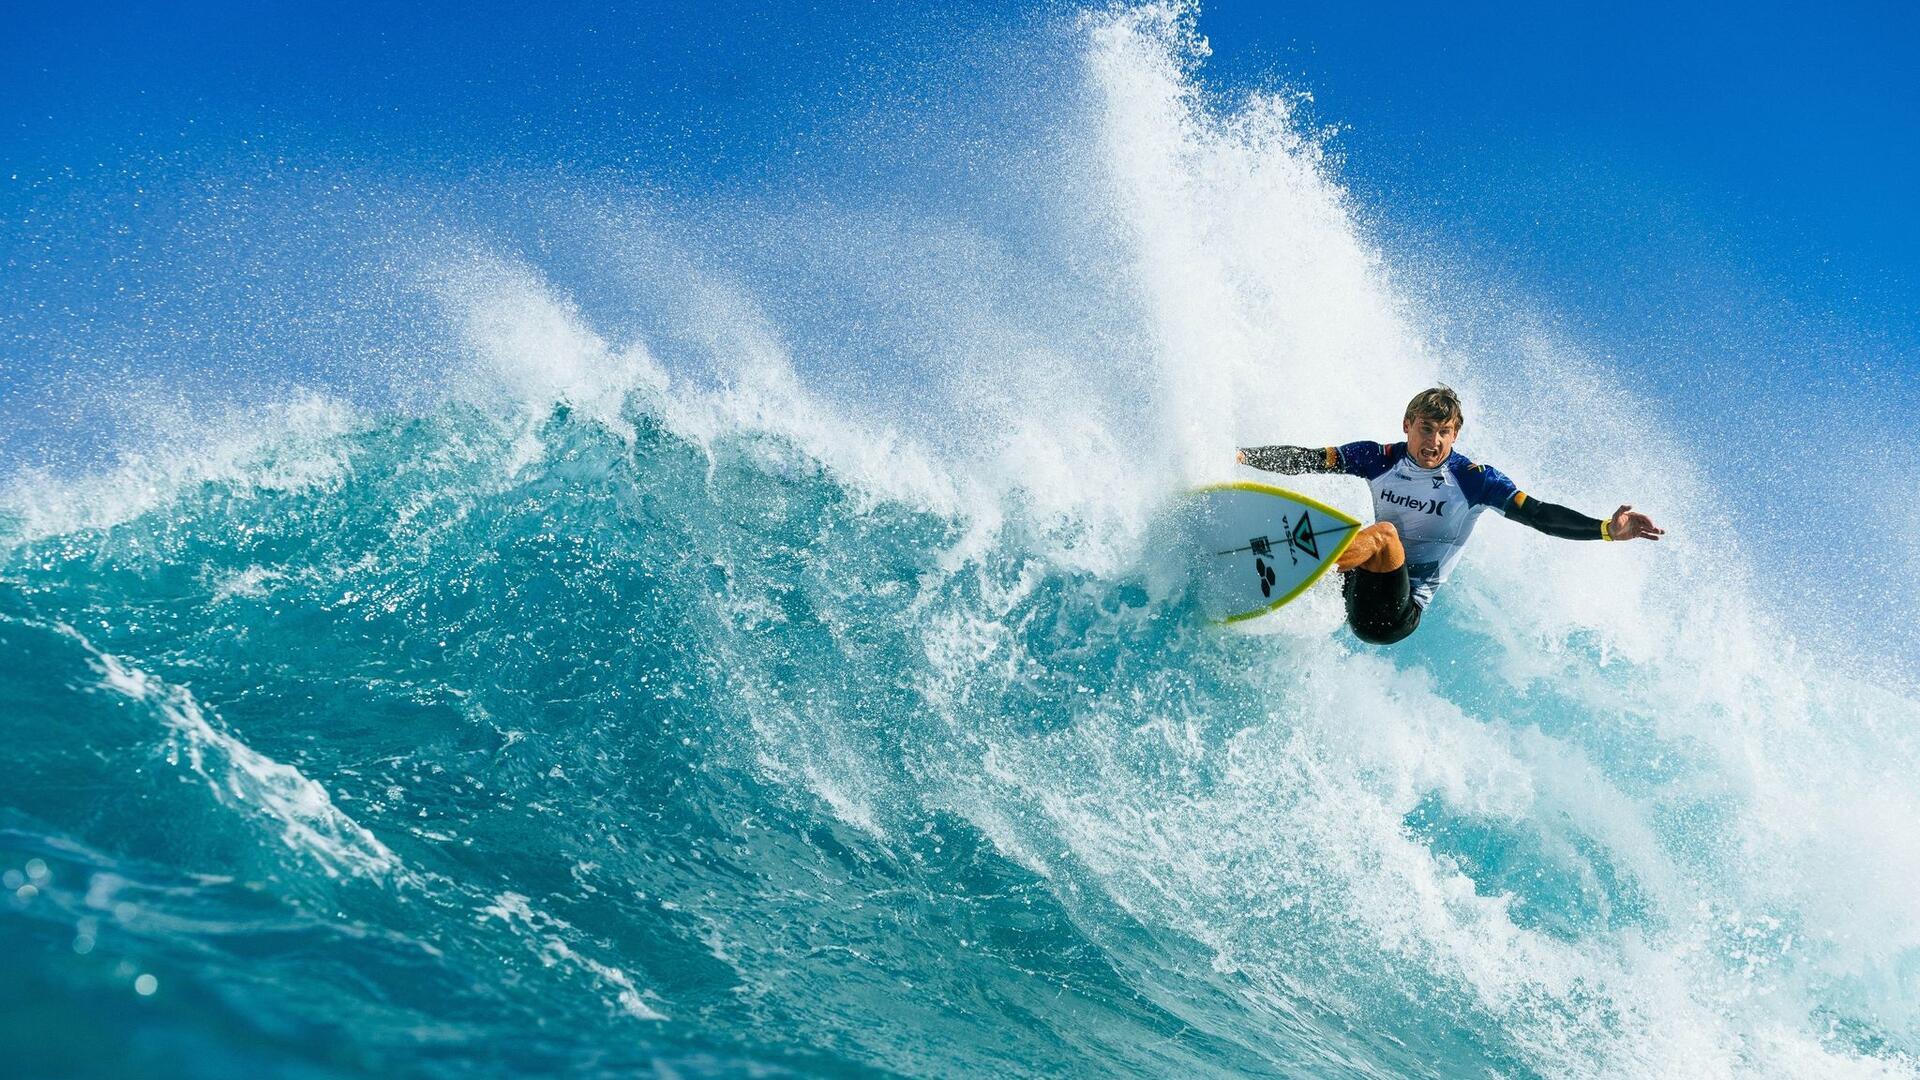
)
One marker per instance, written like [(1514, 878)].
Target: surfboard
[(1255, 546)]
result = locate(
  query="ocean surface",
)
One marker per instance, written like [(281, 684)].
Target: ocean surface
[(730, 637)]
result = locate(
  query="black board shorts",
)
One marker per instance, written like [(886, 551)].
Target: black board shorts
[(1380, 607)]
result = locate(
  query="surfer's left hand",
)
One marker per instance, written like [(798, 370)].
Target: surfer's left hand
[(1627, 525)]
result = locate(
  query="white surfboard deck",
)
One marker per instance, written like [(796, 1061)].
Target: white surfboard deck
[(1256, 546)]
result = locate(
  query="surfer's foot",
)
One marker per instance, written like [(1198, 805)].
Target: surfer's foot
[(1375, 549)]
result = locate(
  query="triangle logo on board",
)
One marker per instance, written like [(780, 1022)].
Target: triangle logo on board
[(1302, 537)]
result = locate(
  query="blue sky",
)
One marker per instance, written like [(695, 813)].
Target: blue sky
[(1786, 140), (1697, 180), (1678, 180)]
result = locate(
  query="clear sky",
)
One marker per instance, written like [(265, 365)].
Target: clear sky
[(1670, 178), (1560, 140), (1686, 182)]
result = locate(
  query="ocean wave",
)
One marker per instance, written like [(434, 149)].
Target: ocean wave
[(603, 710)]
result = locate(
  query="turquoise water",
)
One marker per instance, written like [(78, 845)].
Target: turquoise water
[(604, 713)]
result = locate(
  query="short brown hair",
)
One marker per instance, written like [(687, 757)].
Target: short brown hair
[(1438, 404)]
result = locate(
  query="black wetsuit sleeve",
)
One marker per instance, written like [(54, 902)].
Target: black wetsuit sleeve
[(1293, 459), (1554, 520)]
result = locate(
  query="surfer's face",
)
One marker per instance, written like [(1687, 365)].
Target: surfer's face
[(1428, 441)]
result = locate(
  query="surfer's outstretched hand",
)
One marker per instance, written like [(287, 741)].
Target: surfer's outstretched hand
[(1627, 525)]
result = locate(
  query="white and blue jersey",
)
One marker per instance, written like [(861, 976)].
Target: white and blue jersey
[(1434, 509)]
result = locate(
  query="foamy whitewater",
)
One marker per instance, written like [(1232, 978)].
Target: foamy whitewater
[(742, 650)]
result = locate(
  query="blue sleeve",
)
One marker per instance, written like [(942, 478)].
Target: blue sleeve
[(1484, 485), (1365, 460)]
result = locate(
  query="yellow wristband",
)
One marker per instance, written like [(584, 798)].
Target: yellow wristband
[(1606, 530)]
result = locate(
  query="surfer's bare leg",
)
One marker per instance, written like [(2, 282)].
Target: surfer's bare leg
[(1376, 549)]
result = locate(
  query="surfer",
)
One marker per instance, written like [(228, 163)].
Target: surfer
[(1425, 499)]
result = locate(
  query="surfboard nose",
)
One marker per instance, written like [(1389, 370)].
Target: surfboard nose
[(1255, 546)]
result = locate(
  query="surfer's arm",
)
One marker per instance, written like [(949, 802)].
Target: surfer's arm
[(1291, 459), (1555, 520)]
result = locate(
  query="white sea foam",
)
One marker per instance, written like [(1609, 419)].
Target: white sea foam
[(286, 447), (549, 941), (251, 783), (532, 345)]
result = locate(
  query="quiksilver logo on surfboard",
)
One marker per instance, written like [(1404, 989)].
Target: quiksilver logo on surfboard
[(1300, 536)]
